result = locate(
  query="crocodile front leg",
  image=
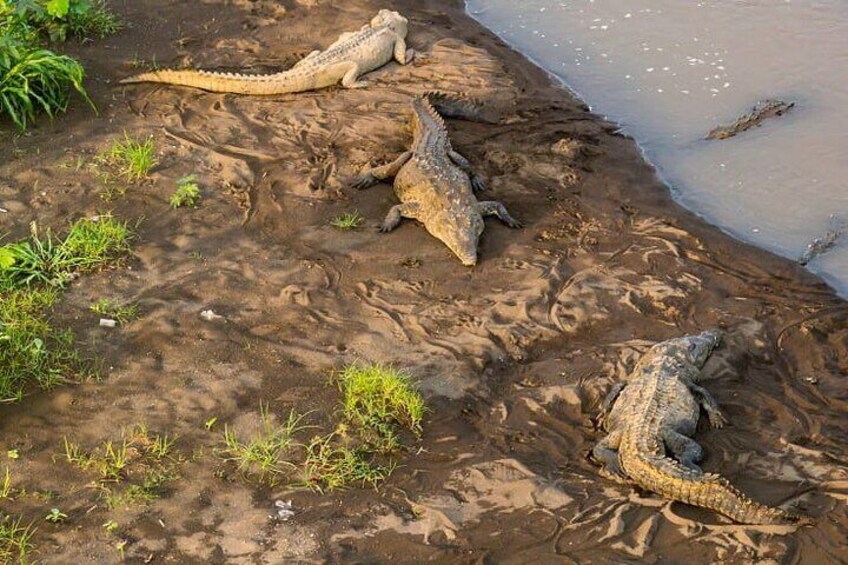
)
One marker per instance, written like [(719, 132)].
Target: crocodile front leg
[(401, 54), (609, 399), (492, 208), (477, 183), (686, 450), (605, 452), (405, 210), (383, 172), (709, 404)]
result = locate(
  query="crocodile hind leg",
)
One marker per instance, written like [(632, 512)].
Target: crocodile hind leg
[(405, 210), (685, 449), (352, 73), (477, 183), (377, 174), (492, 208), (605, 452)]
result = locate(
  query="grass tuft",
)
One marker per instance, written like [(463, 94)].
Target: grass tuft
[(187, 193), (108, 309), (15, 540), (265, 454), (132, 470), (347, 221), (330, 465), (130, 158), (380, 401)]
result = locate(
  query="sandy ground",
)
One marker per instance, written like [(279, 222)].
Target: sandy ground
[(514, 354)]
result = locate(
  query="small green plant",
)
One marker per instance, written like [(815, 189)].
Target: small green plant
[(187, 193), (347, 221), (379, 401), (264, 454), (330, 465), (130, 158), (57, 19), (110, 526), (108, 309), (56, 516), (210, 423)]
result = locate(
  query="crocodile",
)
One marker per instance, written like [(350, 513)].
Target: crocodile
[(435, 184), (656, 412), (351, 56)]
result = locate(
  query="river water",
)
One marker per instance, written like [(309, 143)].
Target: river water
[(669, 71)]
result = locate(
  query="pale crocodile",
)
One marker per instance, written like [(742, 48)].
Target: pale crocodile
[(435, 184), (351, 56), (654, 414)]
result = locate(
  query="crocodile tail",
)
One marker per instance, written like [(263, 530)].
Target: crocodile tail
[(667, 477), (457, 106), (219, 82)]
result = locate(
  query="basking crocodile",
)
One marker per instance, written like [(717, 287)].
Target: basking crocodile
[(435, 184), (656, 412), (352, 55)]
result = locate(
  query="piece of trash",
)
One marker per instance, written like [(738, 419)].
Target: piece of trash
[(107, 323), (284, 510), (210, 316), (3, 210)]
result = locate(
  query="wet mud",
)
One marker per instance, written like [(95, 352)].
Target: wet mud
[(514, 355)]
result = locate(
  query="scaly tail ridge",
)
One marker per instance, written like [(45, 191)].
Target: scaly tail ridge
[(220, 82), (667, 477)]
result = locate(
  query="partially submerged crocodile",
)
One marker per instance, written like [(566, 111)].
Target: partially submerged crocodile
[(435, 184), (655, 412), (351, 56), (762, 111)]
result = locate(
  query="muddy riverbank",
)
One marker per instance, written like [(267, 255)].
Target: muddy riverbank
[(514, 355)]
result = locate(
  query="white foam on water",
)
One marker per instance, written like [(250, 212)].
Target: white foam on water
[(670, 71)]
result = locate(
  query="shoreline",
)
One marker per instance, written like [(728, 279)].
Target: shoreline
[(515, 355), (683, 189)]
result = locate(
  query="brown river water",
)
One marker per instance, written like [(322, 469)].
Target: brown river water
[(670, 71)]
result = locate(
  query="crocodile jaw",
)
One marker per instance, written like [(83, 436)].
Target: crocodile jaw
[(460, 232)]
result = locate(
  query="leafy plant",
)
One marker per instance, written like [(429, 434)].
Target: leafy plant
[(56, 516), (187, 193), (58, 19), (34, 80)]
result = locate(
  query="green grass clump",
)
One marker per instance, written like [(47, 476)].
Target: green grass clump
[(59, 19), (265, 455), (33, 80), (380, 401), (32, 350), (330, 464), (187, 193), (347, 221), (108, 309), (15, 540), (42, 259), (130, 158), (87, 19)]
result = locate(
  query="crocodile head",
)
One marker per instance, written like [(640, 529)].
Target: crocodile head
[(392, 20), (693, 349), (460, 232)]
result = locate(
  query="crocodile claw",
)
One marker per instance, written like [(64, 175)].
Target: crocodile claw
[(477, 183), (360, 182)]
